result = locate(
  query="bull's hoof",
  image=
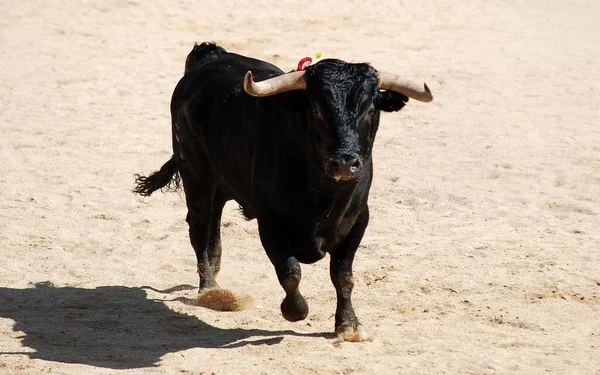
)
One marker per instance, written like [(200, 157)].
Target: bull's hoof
[(352, 333), (294, 308), (223, 300)]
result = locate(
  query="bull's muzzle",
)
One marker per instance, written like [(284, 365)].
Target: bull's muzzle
[(343, 167)]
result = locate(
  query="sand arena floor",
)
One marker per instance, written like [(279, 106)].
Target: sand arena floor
[(482, 255)]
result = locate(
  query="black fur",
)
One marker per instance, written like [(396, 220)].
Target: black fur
[(200, 53), (390, 101), (279, 158)]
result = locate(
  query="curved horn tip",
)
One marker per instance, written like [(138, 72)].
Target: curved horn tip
[(248, 81), (429, 94)]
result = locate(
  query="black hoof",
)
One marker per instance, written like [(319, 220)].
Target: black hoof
[(294, 308)]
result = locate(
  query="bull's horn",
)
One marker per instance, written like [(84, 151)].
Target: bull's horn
[(275, 85), (391, 82)]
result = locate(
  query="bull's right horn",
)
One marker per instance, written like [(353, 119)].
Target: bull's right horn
[(391, 82), (275, 85)]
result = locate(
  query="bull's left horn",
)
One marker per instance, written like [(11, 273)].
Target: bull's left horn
[(391, 82), (275, 85)]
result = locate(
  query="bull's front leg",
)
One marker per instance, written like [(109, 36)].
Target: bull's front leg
[(275, 240), (347, 326)]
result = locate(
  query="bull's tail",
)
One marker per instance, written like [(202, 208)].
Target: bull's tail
[(167, 176)]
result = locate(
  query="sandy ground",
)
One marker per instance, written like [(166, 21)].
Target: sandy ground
[(482, 255)]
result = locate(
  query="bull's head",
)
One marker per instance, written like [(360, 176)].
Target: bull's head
[(345, 101)]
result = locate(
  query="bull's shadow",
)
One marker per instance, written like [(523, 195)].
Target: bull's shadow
[(112, 326)]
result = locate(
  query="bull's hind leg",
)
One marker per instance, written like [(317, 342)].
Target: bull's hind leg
[(199, 197), (214, 236), (347, 326), (274, 238), (200, 188), (205, 206)]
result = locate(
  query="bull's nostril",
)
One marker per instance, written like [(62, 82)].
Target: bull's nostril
[(355, 167), (333, 165)]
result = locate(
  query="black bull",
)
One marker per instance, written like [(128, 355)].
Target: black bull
[(295, 153)]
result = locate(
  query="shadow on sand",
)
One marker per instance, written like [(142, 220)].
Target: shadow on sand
[(113, 326)]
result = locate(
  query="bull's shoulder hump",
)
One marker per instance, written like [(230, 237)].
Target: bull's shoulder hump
[(258, 65), (234, 65), (223, 74)]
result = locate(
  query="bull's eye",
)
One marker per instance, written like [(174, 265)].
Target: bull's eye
[(367, 116), (317, 112)]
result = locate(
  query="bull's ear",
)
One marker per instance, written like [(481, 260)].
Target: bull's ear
[(390, 101)]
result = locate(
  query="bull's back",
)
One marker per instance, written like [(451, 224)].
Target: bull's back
[(216, 122)]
